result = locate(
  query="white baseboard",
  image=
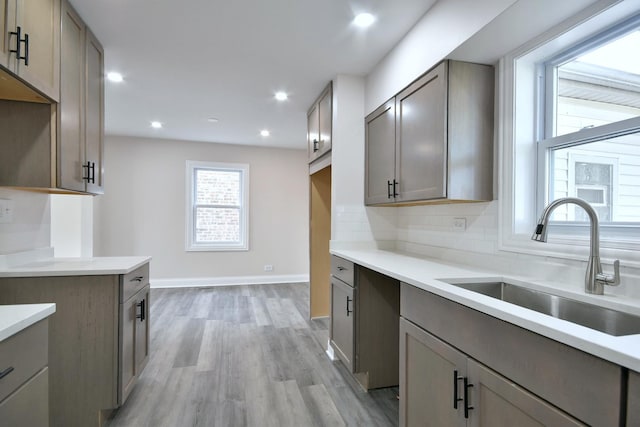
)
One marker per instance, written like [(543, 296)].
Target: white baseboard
[(199, 282), (329, 352)]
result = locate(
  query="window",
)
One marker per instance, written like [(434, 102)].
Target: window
[(549, 147), (590, 127), (217, 206)]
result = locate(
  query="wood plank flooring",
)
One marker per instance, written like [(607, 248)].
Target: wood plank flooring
[(246, 356)]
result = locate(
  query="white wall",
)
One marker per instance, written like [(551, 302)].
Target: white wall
[(72, 225), (442, 29), (143, 211), (30, 228)]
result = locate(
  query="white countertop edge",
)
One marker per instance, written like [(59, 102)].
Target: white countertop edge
[(76, 266), (15, 318), (624, 350)]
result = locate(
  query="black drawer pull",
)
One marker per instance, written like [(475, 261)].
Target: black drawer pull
[(6, 372), (348, 301), (137, 279), (341, 268)]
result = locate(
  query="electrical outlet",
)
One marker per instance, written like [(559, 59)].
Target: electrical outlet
[(268, 267), (6, 211), (459, 224)]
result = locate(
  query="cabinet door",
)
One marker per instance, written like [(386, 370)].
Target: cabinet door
[(380, 155), (71, 112), (29, 405), (94, 113), (324, 119), (342, 321), (40, 20), (633, 404), (127, 352), (497, 402), (7, 24), (143, 306), (313, 132), (431, 380), (421, 137)]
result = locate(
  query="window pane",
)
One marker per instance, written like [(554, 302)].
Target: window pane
[(217, 225), (217, 187), (604, 173), (599, 87)]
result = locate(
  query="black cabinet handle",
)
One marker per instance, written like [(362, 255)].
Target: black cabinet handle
[(467, 407), (456, 399), (19, 41), (137, 279), (143, 314), (90, 175), (6, 372), (389, 189), (349, 311), (26, 50), (341, 268), (395, 191), (315, 145)]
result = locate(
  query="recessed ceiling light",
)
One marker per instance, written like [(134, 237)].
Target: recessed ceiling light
[(363, 20), (156, 125), (265, 132), (213, 120), (114, 77), (281, 96)]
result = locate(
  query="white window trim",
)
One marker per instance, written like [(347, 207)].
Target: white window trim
[(517, 85), (190, 244)]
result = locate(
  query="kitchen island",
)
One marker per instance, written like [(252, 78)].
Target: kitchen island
[(99, 336)]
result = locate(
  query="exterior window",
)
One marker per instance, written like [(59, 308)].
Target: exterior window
[(590, 145), (217, 205)]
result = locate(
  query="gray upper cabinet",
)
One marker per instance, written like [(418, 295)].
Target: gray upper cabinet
[(30, 43), (319, 124), (441, 131), (380, 131), (80, 129)]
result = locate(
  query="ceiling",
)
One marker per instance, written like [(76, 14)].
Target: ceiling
[(185, 62)]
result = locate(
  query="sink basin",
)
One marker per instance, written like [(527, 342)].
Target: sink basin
[(602, 319)]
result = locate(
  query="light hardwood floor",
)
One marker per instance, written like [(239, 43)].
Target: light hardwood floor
[(246, 356)]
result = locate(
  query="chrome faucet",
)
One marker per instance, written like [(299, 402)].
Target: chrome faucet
[(595, 279)]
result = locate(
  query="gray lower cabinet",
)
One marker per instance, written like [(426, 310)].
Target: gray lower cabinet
[(88, 339), (134, 340), (342, 321), (441, 386), (365, 308), (515, 376), (633, 399), (24, 378)]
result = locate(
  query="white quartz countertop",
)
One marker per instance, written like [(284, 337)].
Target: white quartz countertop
[(434, 276), (75, 266), (14, 318)]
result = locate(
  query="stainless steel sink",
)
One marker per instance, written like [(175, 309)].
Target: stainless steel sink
[(603, 319)]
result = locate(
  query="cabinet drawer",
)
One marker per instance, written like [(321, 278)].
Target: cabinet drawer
[(29, 405), (22, 355), (131, 283), (342, 269)]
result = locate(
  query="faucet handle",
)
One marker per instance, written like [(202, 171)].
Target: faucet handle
[(608, 279)]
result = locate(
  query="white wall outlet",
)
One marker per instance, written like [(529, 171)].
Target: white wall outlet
[(268, 267), (459, 224), (6, 211)]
